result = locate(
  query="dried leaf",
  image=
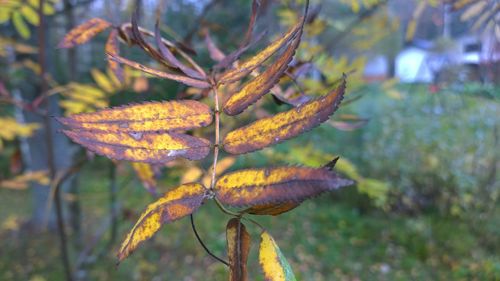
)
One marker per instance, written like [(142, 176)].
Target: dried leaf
[(146, 174), (84, 32), (149, 147), (215, 53), (144, 117), (275, 185), (238, 247), (273, 263), (175, 204), (112, 47), (179, 78), (285, 125), (249, 65), (260, 85), (171, 59)]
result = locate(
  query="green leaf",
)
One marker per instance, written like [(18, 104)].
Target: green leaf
[(20, 25)]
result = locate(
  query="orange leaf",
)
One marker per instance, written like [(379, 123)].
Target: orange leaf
[(238, 247), (113, 48), (260, 85), (144, 117), (246, 67), (176, 77), (175, 204), (275, 185), (150, 147), (285, 125), (84, 32)]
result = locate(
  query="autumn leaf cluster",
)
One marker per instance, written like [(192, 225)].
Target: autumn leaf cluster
[(154, 133)]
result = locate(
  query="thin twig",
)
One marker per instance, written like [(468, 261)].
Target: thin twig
[(50, 142), (203, 244), (217, 137)]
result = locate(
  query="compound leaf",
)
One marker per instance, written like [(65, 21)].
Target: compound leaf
[(285, 125), (238, 247), (175, 204), (275, 185), (84, 32), (149, 147), (273, 263), (144, 117)]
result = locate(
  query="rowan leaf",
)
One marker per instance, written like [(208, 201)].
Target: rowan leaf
[(213, 51), (84, 32), (275, 185), (284, 125), (149, 147), (173, 205), (162, 74), (112, 47), (171, 59), (271, 209), (249, 65), (273, 263), (260, 85), (238, 247), (146, 174), (144, 117)]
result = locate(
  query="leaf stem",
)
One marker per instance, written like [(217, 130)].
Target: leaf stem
[(217, 137), (224, 209), (203, 244)]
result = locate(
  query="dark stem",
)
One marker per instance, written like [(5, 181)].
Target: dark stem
[(203, 244), (49, 142), (112, 205)]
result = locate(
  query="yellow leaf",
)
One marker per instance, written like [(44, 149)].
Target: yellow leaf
[(273, 263), (285, 125), (260, 85), (84, 32), (275, 185), (145, 117), (193, 174), (149, 147), (30, 15), (20, 25), (175, 204), (102, 80), (249, 65), (22, 181), (146, 174)]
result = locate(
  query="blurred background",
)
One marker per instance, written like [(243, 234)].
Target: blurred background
[(418, 131)]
